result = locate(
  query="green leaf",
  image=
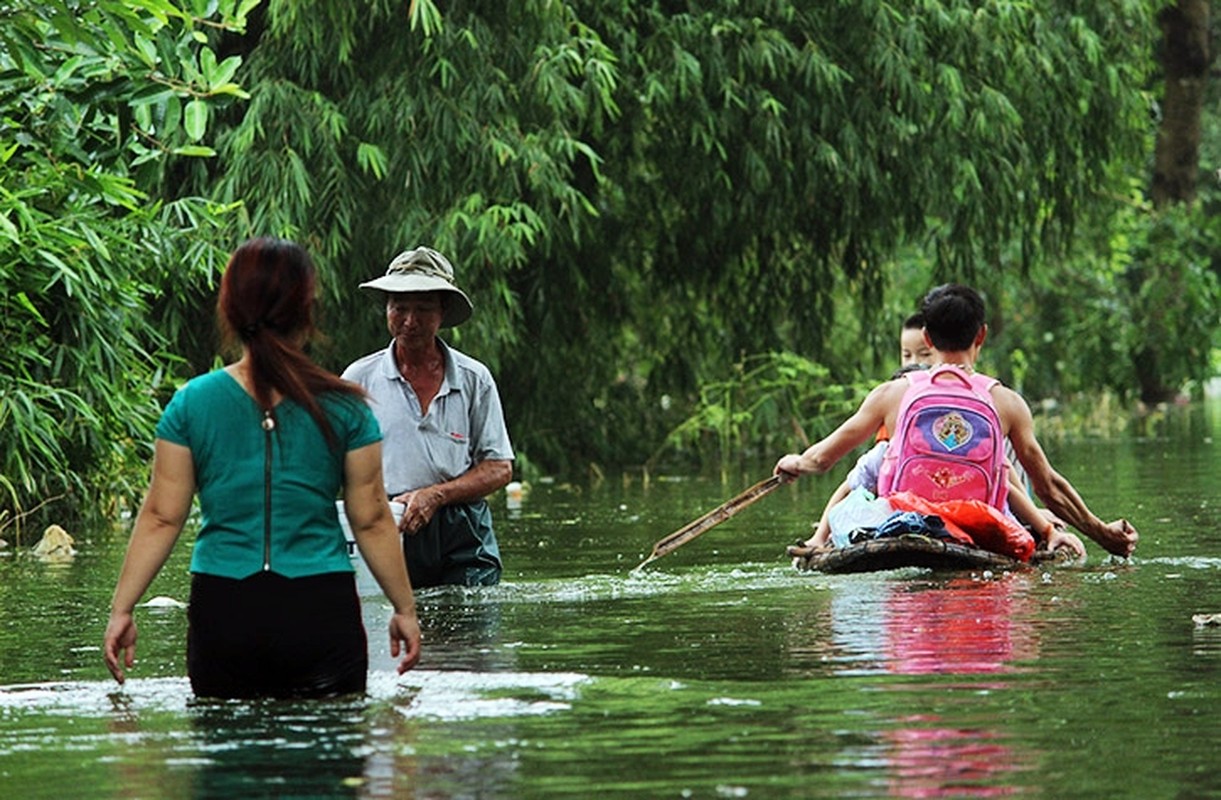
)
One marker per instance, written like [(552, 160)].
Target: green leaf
[(194, 150), (372, 159), (195, 119), (223, 73), (146, 49), (151, 93), (207, 65), (204, 8), (424, 15), (9, 231), (231, 89)]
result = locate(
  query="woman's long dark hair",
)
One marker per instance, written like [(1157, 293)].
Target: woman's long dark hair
[(267, 302)]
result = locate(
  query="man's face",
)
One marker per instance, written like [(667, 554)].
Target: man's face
[(414, 317), (913, 348)]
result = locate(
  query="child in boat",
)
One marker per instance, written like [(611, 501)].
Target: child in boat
[(913, 350), (915, 353), (956, 328)]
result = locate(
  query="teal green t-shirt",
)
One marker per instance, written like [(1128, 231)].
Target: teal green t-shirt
[(221, 424)]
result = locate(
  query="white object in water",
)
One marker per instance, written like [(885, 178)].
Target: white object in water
[(513, 494), (55, 545), (396, 511), (161, 601), (365, 583)]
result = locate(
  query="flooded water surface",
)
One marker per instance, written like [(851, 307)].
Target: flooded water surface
[(718, 671)]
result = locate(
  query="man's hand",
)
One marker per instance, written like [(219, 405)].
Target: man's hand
[(421, 505), (788, 467), (1061, 539), (1118, 538)]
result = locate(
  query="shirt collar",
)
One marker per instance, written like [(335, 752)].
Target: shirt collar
[(390, 369)]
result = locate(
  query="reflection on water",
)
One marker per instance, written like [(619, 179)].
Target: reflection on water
[(243, 749), (966, 624), (926, 760), (961, 626)]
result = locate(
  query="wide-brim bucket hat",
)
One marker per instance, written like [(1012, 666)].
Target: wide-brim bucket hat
[(425, 270)]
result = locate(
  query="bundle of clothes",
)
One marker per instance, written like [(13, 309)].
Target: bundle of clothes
[(862, 516)]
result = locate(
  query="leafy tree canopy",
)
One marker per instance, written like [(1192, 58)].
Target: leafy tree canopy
[(639, 194), (95, 98), (674, 218)]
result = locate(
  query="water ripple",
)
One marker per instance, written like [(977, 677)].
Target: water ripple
[(1189, 562), (434, 694)]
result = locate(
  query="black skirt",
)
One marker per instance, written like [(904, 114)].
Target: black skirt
[(272, 636)]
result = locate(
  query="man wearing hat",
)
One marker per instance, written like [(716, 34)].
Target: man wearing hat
[(445, 445)]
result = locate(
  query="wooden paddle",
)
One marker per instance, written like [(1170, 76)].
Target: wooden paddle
[(710, 520)]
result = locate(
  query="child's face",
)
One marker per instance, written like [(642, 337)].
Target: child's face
[(913, 349)]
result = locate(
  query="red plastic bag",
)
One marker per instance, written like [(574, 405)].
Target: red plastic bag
[(973, 522)]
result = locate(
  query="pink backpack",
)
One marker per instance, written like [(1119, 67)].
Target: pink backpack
[(948, 442)]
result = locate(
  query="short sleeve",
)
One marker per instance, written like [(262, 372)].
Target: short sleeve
[(359, 426), (864, 474), (172, 427)]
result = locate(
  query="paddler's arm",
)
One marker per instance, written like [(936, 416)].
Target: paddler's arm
[(859, 428), (1046, 526), (1056, 492)]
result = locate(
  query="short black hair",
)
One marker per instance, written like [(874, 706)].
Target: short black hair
[(953, 316), (914, 323)]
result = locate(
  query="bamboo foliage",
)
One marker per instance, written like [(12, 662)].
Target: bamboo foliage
[(94, 99), (766, 402), (637, 194), (643, 199)]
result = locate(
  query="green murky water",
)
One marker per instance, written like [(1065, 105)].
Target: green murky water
[(719, 672)]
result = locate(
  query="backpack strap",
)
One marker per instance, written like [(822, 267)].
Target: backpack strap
[(983, 383), (953, 371)]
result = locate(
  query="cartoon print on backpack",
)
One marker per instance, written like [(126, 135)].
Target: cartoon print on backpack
[(948, 443)]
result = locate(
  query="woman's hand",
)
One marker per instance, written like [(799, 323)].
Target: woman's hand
[(120, 643), (405, 636)]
